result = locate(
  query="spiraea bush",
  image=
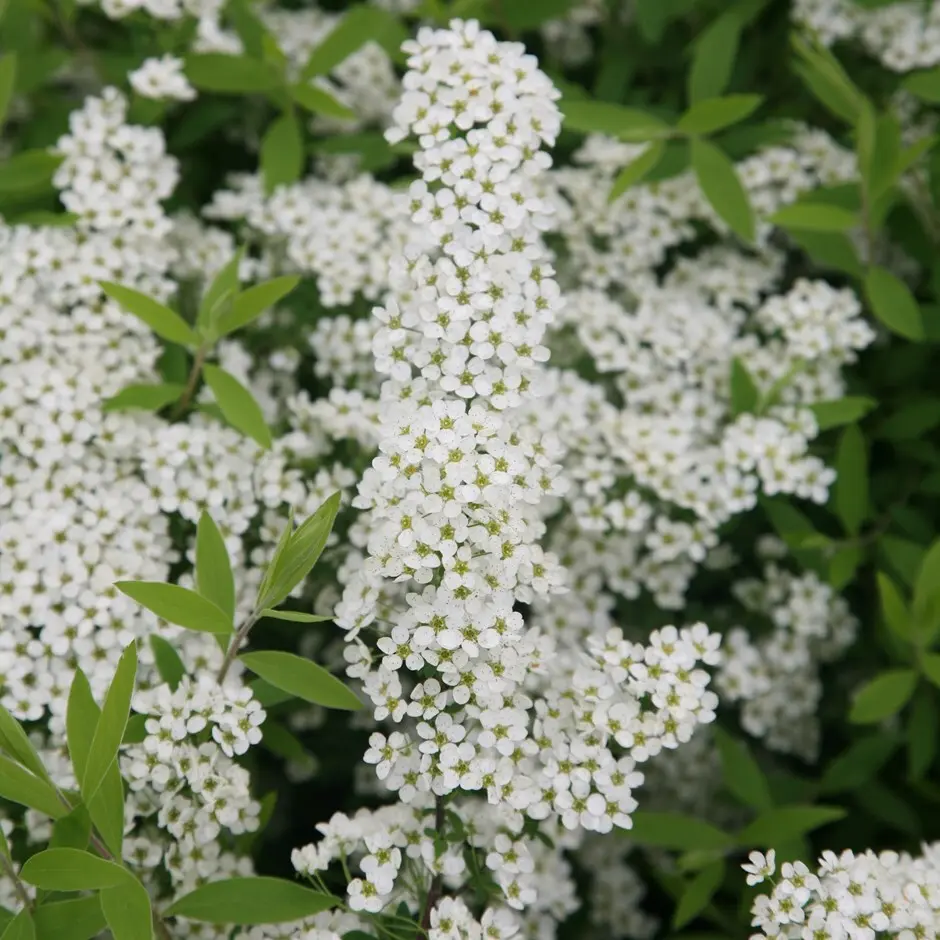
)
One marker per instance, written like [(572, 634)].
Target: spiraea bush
[(469, 469)]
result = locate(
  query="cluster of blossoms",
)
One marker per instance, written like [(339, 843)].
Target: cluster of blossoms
[(852, 896)]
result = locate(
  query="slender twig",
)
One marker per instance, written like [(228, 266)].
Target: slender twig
[(235, 645), (437, 882), (198, 362), (18, 885)]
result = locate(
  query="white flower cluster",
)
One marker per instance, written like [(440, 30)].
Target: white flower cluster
[(849, 896)]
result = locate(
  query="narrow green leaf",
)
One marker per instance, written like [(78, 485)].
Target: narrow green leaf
[(7, 83), (230, 74), (15, 741), (911, 419), (601, 117), (296, 616), (785, 822), (924, 84), (178, 605), (72, 870), (224, 286), (720, 184), (856, 765), (126, 908), (160, 318), (926, 606), (318, 101), (29, 171), (893, 304), (712, 114), (250, 304), (268, 695), (698, 893), (20, 786), (280, 742), (884, 696), (522, 15), (713, 59), (851, 488), (829, 250), (893, 608), (214, 579), (744, 393), (822, 74), (111, 723), (923, 725), (78, 919), (21, 927), (168, 662), (146, 397), (637, 168), (361, 24), (741, 773), (833, 414), (72, 830), (248, 901), (676, 831), (302, 678), (814, 217), (238, 405)]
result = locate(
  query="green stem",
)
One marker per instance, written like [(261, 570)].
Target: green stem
[(194, 373), (18, 885), (236, 644)]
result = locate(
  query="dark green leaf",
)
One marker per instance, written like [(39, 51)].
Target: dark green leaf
[(72, 870), (146, 397), (214, 579), (712, 114), (893, 608), (230, 74), (238, 405), (178, 605), (720, 184), (302, 678), (249, 901), (785, 822), (160, 318), (30, 171), (832, 414), (851, 488), (698, 893), (855, 766), (744, 393), (282, 153), (923, 726), (601, 117), (912, 419), (883, 696), (741, 773), (524, 14), (168, 662), (675, 831), (7, 82), (78, 919), (893, 304), (361, 24), (925, 84)]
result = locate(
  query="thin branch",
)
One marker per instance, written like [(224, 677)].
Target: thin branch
[(437, 882), (18, 885), (236, 644), (198, 362)]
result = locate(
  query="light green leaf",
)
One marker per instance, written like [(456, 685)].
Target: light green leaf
[(282, 153), (168, 661), (250, 304), (302, 678), (20, 786), (301, 553), (238, 405), (856, 765), (146, 397), (851, 488), (884, 696), (784, 823), (676, 831), (744, 393), (829, 250), (930, 664), (111, 723), (160, 318), (178, 605), (318, 101), (601, 117), (833, 414), (72, 870), (78, 919), (822, 74), (713, 114), (741, 773), (924, 84), (720, 184), (268, 695), (275, 564), (222, 290), (295, 616), (29, 171), (926, 606), (637, 168), (895, 611), (126, 908), (7, 83), (879, 151), (214, 579), (16, 743), (713, 59), (249, 901), (814, 217), (893, 303), (698, 893), (230, 74), (21, 927), (357, 27), (72, 830)]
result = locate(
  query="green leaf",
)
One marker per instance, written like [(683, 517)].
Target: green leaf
[(302, 678), (20, 786), (676, 831), (7, 82), (851, 488), (178, 605), (221, 290), (637, 168), (744, 393), (78, 919), (111, 723), (265, 594), (30, 171), (879, 151), (136, 730), (924, 84), (923, 724), (268, 695), (713, 114), (282, 153), (230, 74), (296, 616), (238, 405), (814, 217), (912, 419), (161, 319), (829, 250), (785, 822), (856, 765), (72, 870), (248, 901), (698, 893), (926, 606), (833, 414), (15, 741), (930, 665), (884, 696), (214, 579), (822, 74), (126, 908), (280, 742), (720, 184), (21, 927), (361, 24), (169, 665), (884, 805), (146, 397), (303, 548), (893, 608), (601, 117), (250, 304), (713, 59), (523, 15), (893, 304), (318, 101), (741, 773), (72, 830)]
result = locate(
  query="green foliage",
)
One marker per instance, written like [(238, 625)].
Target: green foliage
[(126, 908), (178, 605), (719, 181), (282, 152), (145, 397), (783, 823), (161, 319), (675, 831), (301, 678), (72, 870), (238, 405), (893, 304), (247, 901), (295, 616), (884, 696), (214, 578), (741, 773)]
